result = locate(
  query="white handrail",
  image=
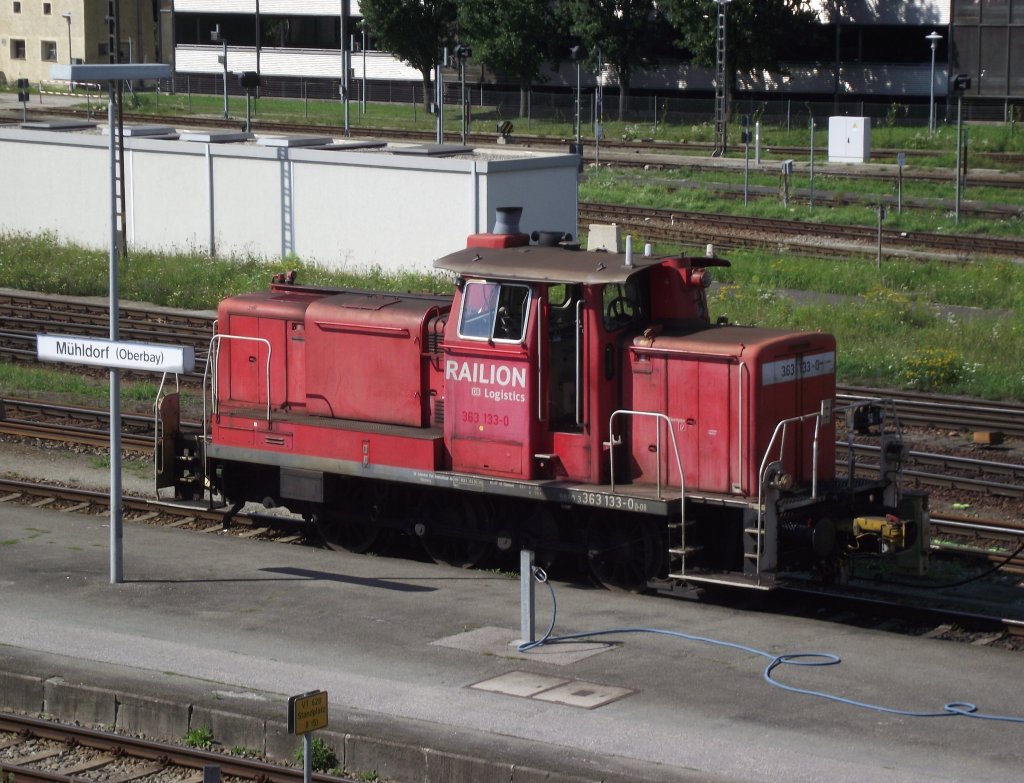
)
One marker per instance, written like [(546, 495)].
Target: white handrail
[(213, 361), (661, 418)]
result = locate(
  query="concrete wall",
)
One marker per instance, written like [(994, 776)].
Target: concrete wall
[(337, 207)]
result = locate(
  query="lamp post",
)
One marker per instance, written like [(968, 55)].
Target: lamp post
[(463, 53), (71, 60), (576, 52), (216, 37), (934, 38)]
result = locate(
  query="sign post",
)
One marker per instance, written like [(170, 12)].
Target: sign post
[(307, 712), (111, 74)]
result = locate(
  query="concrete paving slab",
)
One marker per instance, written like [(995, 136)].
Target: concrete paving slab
[(587, 695), (211, 622), (504, 643), (523, 684)]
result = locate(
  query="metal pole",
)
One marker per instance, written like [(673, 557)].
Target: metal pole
[(579, 101), (881, 216), (71, 60), (347, 60), (116, 560), (811, 196), (362, 94), (225, 58), (934, 38), (439, 96), (462, 94), (527, 597), (746, 168), (959, 118), (307, 757)]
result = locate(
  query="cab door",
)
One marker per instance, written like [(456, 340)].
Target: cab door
[(491, 379)]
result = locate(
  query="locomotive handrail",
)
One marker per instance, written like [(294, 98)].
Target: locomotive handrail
[(385, 331), (740, 472), (661, 417), (783, 428), (158, 456), (215, 342), (579, 364), (540, 365), (887, 406)]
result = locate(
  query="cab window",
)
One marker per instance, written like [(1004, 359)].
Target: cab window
[(620, 303), (494, 311)]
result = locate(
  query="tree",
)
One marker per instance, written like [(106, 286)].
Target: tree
[(415, 31), (512, 37), (758, 32), (618, 29)]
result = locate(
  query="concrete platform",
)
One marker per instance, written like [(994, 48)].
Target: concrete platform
[(217, 632)]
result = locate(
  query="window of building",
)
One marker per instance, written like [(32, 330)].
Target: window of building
[(17, 7), (48, 51), (17, 48), (47, 9)]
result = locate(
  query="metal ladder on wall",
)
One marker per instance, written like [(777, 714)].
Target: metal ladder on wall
[(114, 54), (720, 85)]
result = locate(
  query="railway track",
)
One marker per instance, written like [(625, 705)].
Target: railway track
[(89, 427), (23, 314), (834, 198), (38, 750), (732, 232), (918, 409), (1010, 160)]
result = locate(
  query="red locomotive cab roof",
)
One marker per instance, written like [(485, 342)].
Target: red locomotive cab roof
[(546, 264), (539, 264)]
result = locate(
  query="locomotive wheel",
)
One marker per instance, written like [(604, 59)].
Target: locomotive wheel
[(461, 535), (348, 534), (539, 531), (359, 528), (621, 554)]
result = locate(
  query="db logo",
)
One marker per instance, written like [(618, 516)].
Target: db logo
[(476, 391)]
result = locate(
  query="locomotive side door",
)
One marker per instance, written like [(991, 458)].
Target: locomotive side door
[(580, 361), (562, 412)]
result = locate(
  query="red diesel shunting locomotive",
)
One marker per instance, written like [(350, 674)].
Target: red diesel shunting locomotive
[(565, 401)]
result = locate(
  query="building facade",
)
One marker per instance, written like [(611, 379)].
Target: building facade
[(988, 46), (37, 34)]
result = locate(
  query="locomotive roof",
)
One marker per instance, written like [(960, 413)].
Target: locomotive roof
[(536, 263)]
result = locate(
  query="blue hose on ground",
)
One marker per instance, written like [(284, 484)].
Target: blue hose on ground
[(956, 708)]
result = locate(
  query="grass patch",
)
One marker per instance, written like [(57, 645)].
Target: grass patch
[(612, 186), (200, 737), (322, 756)]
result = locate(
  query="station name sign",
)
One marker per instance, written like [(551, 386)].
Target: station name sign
[(149, 357)]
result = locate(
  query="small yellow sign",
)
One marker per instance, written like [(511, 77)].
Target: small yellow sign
[(307, 712)]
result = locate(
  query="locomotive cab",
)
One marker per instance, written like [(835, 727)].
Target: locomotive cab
[(534, 352)]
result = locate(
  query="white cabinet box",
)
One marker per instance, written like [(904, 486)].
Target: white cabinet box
[(849, 139)]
